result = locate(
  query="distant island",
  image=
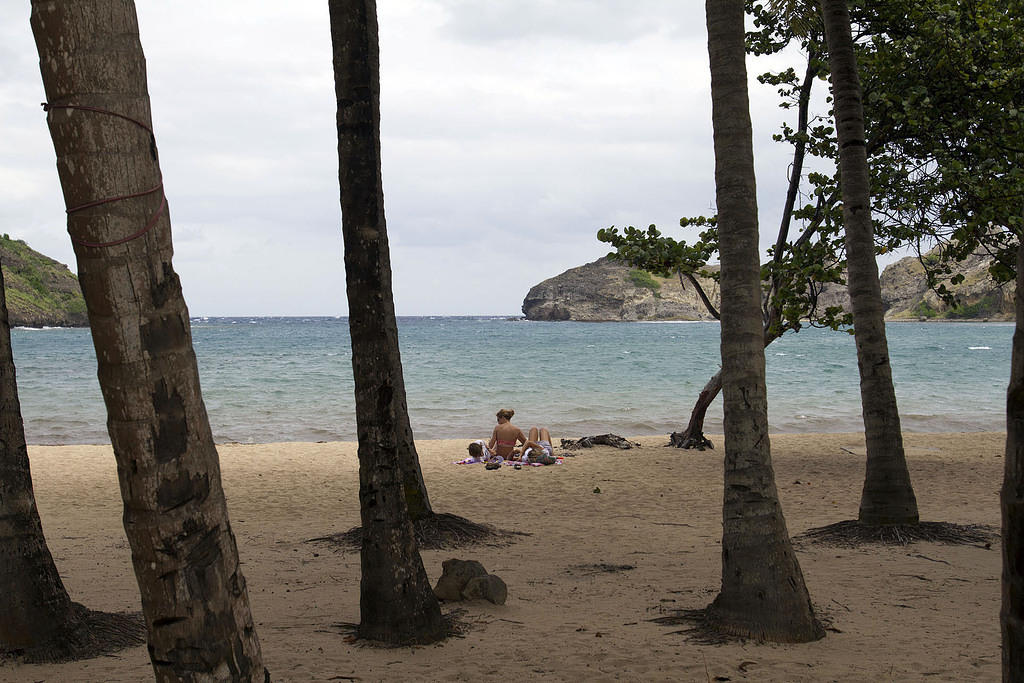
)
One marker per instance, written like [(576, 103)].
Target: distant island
[(608, 290), (41, 292)]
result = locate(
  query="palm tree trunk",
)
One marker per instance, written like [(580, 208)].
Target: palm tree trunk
[(1011, 616), (888, 496), (35, 609), (183, 550), (763, 593), (397, 604)]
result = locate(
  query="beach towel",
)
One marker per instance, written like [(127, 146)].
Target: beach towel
[(473, 461)]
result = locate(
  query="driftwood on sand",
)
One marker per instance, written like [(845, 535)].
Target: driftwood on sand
[(600, 440), (697, 442)]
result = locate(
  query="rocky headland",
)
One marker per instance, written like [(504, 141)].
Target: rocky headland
[(608, 290), (40, 291)]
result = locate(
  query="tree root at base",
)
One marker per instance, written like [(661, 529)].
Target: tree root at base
[(707, 628), (455, 627), (438, 531), (92, 634), (851, 533)]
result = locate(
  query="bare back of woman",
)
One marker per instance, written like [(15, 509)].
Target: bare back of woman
[(506, 436)]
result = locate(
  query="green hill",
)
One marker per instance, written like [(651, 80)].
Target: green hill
[(40, 291)]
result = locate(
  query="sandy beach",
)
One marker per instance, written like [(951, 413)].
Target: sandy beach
[(585, 583)]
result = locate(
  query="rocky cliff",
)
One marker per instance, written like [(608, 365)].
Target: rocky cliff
[(907, 296), (611, 290), (40, 292)]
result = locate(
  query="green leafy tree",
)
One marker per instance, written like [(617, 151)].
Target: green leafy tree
[(953, 172), (909, 199)]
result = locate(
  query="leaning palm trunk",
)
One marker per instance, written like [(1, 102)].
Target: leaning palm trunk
[(397, 604), (693, 435), (888, 496), (763, 593), (183, 550), (35, 609), (1011, 615)]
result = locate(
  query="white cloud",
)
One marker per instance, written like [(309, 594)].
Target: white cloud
[(511, 132), (586, 21)]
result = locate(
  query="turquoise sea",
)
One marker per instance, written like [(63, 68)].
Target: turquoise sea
[(290, 379)]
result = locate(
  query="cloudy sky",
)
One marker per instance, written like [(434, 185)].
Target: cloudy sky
[(511, 132)]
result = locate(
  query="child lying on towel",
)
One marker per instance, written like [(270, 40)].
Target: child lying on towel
[(478, 452)]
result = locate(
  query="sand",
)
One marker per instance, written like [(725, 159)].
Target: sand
[(586, 582)]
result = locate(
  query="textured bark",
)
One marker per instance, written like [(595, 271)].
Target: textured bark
[(1011, 616), (35, 608), (183, 550), (416, 499), (397, 604), (763, 593), (888, 496)]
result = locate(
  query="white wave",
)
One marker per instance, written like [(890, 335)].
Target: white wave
[(672, 322), (980, 348)]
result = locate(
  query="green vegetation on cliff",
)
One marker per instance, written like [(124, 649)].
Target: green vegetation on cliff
[(641, 278), (40, 291), (991, 305)]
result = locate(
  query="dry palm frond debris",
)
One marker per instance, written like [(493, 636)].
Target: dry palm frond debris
[(852, 533)]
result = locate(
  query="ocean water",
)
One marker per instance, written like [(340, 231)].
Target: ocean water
[(290, 379)]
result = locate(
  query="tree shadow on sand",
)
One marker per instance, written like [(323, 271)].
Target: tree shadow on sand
[(437, 531)]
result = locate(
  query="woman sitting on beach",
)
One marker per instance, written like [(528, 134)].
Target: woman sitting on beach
[(538, 447), (506, 435)]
